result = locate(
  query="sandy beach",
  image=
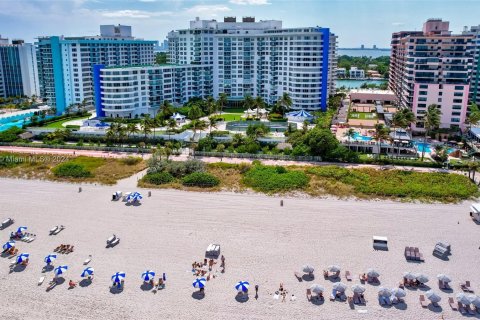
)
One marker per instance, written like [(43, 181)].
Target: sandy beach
[(262, 242)]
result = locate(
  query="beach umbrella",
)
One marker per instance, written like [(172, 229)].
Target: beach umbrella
[(333, 268), (21, 229), (308, 268), (339, 286), (373, 273), (358, 288), (475, 300), (422, 278), (118, 277), (317, 288), (87, 272), (148, 275), (398, 292), (8, 245), (409, 276), (432, 296), (384, 292), (242, 286), (463, 298), (199, 283), (49, 259), (444, 278), (22, 257), (60, 270)]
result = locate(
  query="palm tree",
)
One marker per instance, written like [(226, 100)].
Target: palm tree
[(431, 121), (408, 120), (195, 112), (167, 109), (146, 125), (381, 133), (349, 134), (212, 123), (222, 101), (237, 139), (198, 125), (284, 103), (248, 102), (131, 129), (258, 104), (211, 105), (172, 124), (474, 116), (398, 120)]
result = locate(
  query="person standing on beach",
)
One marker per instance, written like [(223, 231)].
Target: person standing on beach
[(256, 291)]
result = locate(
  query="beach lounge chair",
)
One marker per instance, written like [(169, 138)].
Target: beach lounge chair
[(6, 223), (407, 253), (298, 276), (423, 302), (356, 298), (348, 275), (40, 281), (451, 302), (469, 310), (309, 294), (466, 286), (461, 308), (87, 261)]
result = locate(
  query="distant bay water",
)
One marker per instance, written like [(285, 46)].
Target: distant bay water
[(355, 84), (374, 53)]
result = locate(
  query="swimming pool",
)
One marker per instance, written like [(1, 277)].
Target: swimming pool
[(426, 147), (357, 136), (16, 120), (273, 126)]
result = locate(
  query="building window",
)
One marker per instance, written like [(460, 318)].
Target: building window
[(458, 87), (455, 120), (424, 86)]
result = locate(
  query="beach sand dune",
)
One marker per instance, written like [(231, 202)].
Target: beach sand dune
[(263, 243)]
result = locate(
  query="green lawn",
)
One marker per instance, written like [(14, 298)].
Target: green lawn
[(59, 124), (362, 115), (232, 116), (233, 110)]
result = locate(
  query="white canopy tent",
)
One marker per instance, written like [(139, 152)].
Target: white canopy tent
[(299, 116), (180, 118)]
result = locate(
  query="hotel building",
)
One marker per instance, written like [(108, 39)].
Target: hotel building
[(65, 64), (243, 58), (475, 78), (18, 69), (432, 66)]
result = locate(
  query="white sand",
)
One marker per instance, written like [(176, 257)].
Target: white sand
[(262, 242)]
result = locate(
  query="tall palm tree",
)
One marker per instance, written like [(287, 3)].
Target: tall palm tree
[(211, 105), (474, 116), (258, 103), (431, 121), (381, 133), (166, 109), (408, 119), (212, 123), (146, 125), (398, 120), (285, 103), (131, 129), (198, 125), (172, 124), (248, 102), (349, 134), (222, 101)]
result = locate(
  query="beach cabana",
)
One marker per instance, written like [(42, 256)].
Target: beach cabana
[(179, 118), (299, 116)]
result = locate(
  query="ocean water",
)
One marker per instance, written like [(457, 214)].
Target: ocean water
[(354, 84), (363, 53)]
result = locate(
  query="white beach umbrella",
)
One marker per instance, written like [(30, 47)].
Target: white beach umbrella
[(22, 257), (339, 286), (118, 277), (242, 286), (432, 296), (475, 300), (50, 258), (9, 245), (358, 288), (409, 276), (199, 283), (87, 272), (463, 298), (148, 275), (444, 278), (422, 278), (317, 288), (333, 268), (384, 292), (398, 292), (373, 273), (60, 270), (308, 268)]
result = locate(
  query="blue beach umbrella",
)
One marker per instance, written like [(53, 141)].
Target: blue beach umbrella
[(242, 286), (60, 270), (22, 257), (49, 259), (148, 275), (119, 276), (87, 272), (199, 283), (21, 229), (8, 245)]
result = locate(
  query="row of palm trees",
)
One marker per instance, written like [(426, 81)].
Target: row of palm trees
[(404, 119), (282, 106)]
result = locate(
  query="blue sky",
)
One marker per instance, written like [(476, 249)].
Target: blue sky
[(354, 21)]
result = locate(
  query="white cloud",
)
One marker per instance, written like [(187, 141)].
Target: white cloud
[(207, 9), (398, 24), (250, 2), (134, 14)]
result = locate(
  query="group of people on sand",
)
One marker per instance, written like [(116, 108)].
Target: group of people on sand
[(159, 285), (198, 268)]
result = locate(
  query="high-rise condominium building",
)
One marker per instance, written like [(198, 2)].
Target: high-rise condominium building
[(18, 69), (475, 79), (236, 58), (432, 66), (65, 64)]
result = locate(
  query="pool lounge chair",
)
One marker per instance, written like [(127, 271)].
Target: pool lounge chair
[(40, 281), (423, 302), (87, 261), (451, 302), (348, 275), (309, 294), (466, 286)]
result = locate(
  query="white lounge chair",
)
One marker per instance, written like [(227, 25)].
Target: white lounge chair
[(115, 242), (40, 281), (87, 261)]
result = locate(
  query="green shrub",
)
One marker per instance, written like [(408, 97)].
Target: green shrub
[(10, 134), (177, 169), (71, 170), (275, 179), (158, 178), (200, 179), (130, 160)]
